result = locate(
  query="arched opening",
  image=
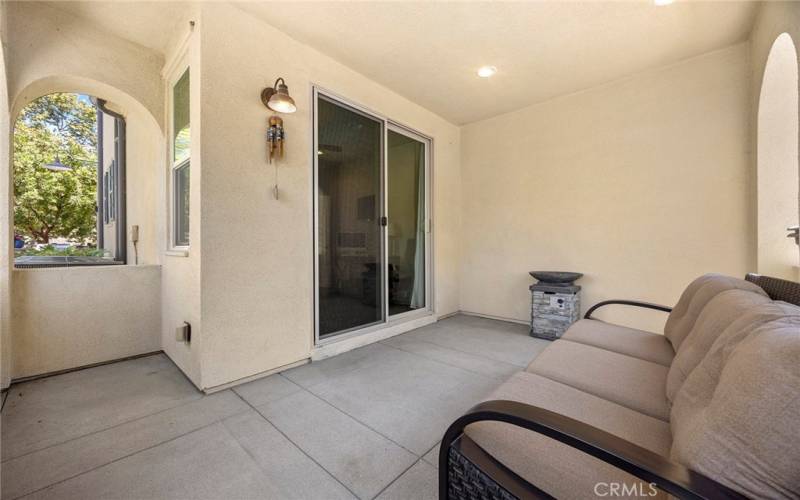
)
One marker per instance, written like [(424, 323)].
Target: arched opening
[(75, 316), (86, 168), (778, 169), (66, 185)]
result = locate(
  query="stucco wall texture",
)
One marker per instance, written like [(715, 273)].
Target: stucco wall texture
[(642, 184)]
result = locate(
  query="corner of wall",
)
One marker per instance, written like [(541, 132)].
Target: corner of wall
[(5, 212), (181, 297)]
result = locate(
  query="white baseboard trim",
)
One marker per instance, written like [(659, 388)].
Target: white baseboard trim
[(348, 344), (449, 315), (222, 387), (498, 318)]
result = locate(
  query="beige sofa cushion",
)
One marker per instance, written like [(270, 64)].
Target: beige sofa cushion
[(722, 310), (556, 468), (631, 382), (694, 299), (637, 343), (736, 418)]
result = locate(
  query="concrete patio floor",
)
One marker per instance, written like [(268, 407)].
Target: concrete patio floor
[(364, 424)]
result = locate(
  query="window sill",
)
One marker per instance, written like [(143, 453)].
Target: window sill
[(177, 253), (42, 261)]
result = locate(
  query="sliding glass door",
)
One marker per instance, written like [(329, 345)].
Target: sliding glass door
[(349, 231), (406, 158), (371, 212)]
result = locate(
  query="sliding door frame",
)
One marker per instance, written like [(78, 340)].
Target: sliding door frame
[(387, 124), (426, 142)]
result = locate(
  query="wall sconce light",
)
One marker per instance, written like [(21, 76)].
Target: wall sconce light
[(277, 98)]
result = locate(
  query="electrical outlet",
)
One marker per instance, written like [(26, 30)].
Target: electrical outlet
[(135, 233)]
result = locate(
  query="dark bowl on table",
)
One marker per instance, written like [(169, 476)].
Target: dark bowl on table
[(555, 276)]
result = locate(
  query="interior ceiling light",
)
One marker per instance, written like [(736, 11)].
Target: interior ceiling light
[(661, 3), (487, 71)]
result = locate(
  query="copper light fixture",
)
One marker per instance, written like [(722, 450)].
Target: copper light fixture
[(277, 97)]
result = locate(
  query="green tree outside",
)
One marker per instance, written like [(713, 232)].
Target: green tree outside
[(50, 204)]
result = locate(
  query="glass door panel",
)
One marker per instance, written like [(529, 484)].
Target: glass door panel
[(350, 252), (406, 158)]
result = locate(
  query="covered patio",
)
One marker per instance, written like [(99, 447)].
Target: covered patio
[(364, 424), (293, 249)]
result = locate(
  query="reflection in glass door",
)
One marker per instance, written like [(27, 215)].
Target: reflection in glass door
[(371, 212), (406, 157), (349, 231)]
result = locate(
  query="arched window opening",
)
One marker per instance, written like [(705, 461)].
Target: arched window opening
[(778, 169), (68, 178)]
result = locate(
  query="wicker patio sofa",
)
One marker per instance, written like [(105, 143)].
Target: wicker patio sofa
[(709, 409)]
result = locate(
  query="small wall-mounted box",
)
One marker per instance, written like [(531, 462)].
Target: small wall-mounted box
[(184, 333)]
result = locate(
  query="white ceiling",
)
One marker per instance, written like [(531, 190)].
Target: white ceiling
[(150, 24), (430, 51)]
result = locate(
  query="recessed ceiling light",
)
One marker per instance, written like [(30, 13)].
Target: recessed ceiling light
[(487, 71), (661, 3)]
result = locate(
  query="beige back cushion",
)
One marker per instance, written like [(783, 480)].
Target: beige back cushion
[(722, 310), (694, 299), (736, 419)]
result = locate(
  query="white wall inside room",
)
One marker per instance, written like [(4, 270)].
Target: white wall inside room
[(778, 171), (257, 251), (642, 184), (69, 317)]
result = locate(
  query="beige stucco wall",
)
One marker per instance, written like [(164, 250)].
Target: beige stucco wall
[(5, 212), (608, 181), (641, 184), (774, 18), (181, 274), (69, 317), (79, 49), (777, 139), (54, 312), (257, 252), (145, 173), (144, 149)]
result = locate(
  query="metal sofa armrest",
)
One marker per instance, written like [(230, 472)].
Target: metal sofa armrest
[(640, 462), (635, 303)]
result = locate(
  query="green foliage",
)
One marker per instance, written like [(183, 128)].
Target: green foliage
[(70, 251), (56, 204)]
